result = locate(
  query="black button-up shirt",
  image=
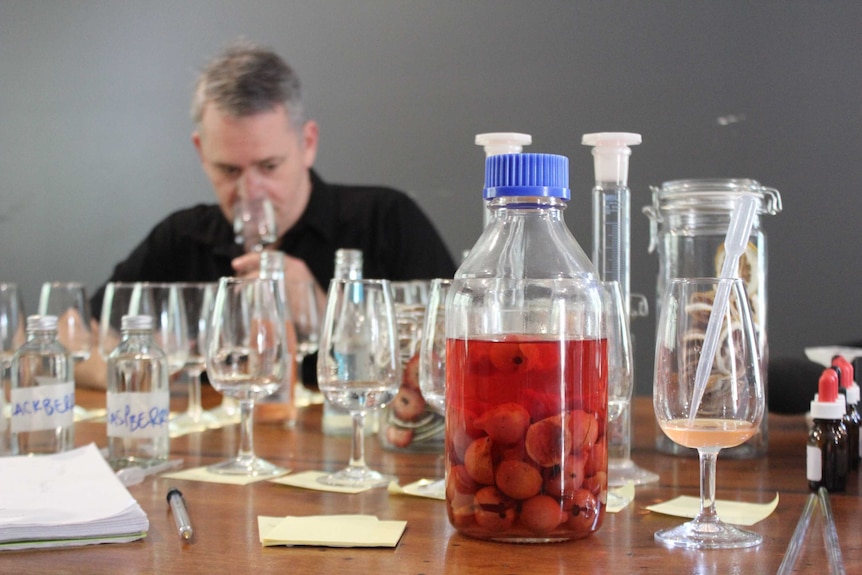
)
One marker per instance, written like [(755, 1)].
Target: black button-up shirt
[(397, 240)]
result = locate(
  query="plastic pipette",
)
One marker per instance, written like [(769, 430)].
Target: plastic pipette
[(734, 245)]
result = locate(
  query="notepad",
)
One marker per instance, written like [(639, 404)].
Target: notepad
[(65, 500), (330, 531)]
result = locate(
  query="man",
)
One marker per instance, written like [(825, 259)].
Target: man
[(251, 135)]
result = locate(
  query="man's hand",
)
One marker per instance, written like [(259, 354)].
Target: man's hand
[(295, 270)]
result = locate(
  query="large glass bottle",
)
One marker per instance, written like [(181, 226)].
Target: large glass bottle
[(42, 396), (526, 367), (138, 397)]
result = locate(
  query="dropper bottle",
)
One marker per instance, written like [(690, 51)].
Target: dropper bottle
[(498, 143), (852, 418), (826, 454)]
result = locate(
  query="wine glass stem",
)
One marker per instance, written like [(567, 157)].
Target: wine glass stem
[(619, 435), (357, 455), (246, 429), (708, 458), (194, 409)]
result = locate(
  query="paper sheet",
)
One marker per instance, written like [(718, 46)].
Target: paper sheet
[(330, 531), (733, 512), (69, 498), (428, 488), (201, 474)]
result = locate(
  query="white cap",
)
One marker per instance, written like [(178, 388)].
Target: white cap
[(828, 409), (497, 143), (611, 154)]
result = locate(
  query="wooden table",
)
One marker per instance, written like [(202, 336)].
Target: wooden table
[(226, 534)]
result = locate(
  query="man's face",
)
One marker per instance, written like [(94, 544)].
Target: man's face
[(259, 154)]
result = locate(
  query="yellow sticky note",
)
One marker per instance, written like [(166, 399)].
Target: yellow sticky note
[(330, 531), (202, 474), (734, 512)]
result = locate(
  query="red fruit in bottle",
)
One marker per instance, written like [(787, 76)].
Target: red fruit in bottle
[(408, 404), (562, 481), (505, 423), (542, 514), (493, 511), (548, 441), (479, 462), (598, 458), (399, 436), (584, 428), (518, 479), (410, 373), (584, 513)]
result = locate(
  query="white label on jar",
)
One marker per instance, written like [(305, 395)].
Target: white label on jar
[(814, 463), (138, 414), (49, 405)]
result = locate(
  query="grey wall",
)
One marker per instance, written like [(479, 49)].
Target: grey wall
[(95, 148)]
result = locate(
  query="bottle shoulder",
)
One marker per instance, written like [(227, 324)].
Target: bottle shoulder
[(527, 247)]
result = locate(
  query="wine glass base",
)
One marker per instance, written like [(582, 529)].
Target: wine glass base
[(356, 477), (247, 467), (624, 471), (713, 534)]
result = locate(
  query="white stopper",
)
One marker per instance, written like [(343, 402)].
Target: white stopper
[(496, 143), (611, 154)]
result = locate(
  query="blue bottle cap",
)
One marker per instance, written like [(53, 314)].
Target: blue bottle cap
[(542, 175)]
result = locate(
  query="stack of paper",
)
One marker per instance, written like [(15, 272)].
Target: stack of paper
[(63, 500)]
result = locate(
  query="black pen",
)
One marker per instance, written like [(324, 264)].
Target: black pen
[(181, 515)]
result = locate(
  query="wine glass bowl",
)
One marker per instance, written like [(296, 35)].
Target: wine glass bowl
[(358, 364), (68, 301), (732, 403), (254, 223), (247, 358), (432, 349)]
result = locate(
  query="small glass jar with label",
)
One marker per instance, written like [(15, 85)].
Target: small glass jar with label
[(42, 396), (138, 398)]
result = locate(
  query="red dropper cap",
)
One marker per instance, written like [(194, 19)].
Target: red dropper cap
[(827, 387), (828, 404), (846, 370)]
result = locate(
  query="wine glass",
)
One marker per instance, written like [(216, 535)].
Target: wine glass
[(247, 358), (254, 228), (68, 301), (621, 469), (162, 302), (12, 321), (197, 299), (432, 357), (253, 220), (432, 349), (302, 297), (358, 364), (732, 404), (12, 336)]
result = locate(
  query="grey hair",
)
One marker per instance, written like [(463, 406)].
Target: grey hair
[(246, 79)]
